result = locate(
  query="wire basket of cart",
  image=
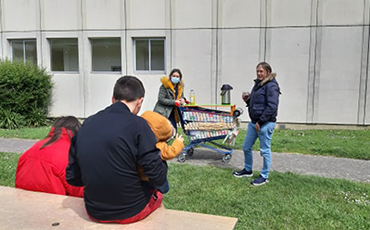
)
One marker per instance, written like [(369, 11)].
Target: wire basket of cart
[(204, 126)]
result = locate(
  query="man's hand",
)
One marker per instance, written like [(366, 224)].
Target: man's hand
[(258, 127)]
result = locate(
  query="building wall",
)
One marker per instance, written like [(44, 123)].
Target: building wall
[(319, 50)]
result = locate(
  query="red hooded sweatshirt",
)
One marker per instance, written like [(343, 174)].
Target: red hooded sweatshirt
[(44, 170)]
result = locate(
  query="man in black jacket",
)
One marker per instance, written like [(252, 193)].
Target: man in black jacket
[(104, 156)]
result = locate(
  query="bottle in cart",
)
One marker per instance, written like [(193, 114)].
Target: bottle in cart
[(192, 97)]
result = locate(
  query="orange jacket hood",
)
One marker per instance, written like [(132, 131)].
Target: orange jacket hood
[(160, 125)]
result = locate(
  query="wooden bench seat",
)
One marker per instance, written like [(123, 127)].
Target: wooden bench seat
[(21, 209)]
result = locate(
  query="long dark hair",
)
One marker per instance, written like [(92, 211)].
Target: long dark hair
[(70, 123)]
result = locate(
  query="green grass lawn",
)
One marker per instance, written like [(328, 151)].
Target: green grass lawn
[(291, 201), (339, 143), (26, 133)]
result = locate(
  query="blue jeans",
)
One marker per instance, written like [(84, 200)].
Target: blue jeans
[(164, 188), (264, 136)]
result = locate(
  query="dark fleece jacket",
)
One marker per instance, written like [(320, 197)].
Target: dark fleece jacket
[(264, 100)]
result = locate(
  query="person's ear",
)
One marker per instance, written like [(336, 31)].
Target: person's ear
[(113, 100), (141, 101)]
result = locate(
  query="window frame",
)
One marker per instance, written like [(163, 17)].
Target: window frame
[(91, 41), (23, 48), (149, 39), (51, 56)]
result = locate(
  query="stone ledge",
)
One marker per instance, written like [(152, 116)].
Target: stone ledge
[(21, 209)]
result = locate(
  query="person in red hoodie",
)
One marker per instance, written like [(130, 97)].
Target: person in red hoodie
[(42, 168)]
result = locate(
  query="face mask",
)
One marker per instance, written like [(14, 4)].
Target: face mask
[(175, 80)]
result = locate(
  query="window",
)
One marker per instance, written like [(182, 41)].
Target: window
[(149, 55), (24, 50), (106, 54), (64, 54)]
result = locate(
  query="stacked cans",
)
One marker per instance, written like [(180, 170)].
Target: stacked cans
[(202, 125)]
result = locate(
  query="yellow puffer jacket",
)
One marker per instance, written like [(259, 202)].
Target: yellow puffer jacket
[(163, 130)]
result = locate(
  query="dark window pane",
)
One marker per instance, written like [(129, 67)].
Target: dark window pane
[(17, 48), (64, 54), (24, 50), (106, 54), (157, 54), (31, 54), (142, 54)]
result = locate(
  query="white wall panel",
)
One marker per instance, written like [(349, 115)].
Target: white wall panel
[(367, 109), (289, 13), (339, 75), (193, 55), (151, 84), (238, 59), (100, 91), (239, 13), (61, 15), (66, 98), (289, 57), (104, 15), (341, 12), (20, 15), (144, 14), (192, 13)]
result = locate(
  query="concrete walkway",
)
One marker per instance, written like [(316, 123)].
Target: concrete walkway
[(331, 167)]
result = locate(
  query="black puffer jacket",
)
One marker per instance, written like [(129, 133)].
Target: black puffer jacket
[(264, 100)]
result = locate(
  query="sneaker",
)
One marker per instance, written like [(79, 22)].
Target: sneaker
[(259, 181), (243, 173)]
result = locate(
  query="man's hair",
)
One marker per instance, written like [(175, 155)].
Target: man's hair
[(128, 88), (70, 123)]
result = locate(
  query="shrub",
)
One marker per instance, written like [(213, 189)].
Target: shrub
[(10, 120), (25, 90)]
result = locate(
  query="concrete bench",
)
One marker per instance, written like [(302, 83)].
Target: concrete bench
[(21, 209)]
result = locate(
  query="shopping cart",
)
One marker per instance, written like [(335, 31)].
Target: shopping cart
[(204, 126)]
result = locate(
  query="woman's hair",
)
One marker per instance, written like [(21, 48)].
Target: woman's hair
[(70, 123), (266, 66), (176, 71)]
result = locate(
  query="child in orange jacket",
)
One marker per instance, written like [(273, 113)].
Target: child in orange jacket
[(164, 132)]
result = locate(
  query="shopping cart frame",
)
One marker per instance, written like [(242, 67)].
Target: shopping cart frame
[(188, 150)]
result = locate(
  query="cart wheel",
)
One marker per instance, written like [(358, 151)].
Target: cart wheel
[(181, 158), (226, 158), (190, 152)]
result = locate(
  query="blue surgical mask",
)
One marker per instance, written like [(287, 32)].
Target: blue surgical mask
[(175, 80)]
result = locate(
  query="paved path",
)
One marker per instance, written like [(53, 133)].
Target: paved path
[(331, 167)]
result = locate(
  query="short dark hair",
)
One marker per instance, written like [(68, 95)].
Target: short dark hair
[(176, 71), (70, 123), (266, 66), (128, 88)]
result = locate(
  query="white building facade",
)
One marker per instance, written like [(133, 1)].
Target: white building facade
[(318, 48)]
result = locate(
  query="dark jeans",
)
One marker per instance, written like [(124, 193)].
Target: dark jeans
[(163, 188), (172, 119)]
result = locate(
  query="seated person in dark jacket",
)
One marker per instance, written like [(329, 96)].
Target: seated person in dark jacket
[(104, 156)]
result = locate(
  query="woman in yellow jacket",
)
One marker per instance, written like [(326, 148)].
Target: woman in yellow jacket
[(171, 94)]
